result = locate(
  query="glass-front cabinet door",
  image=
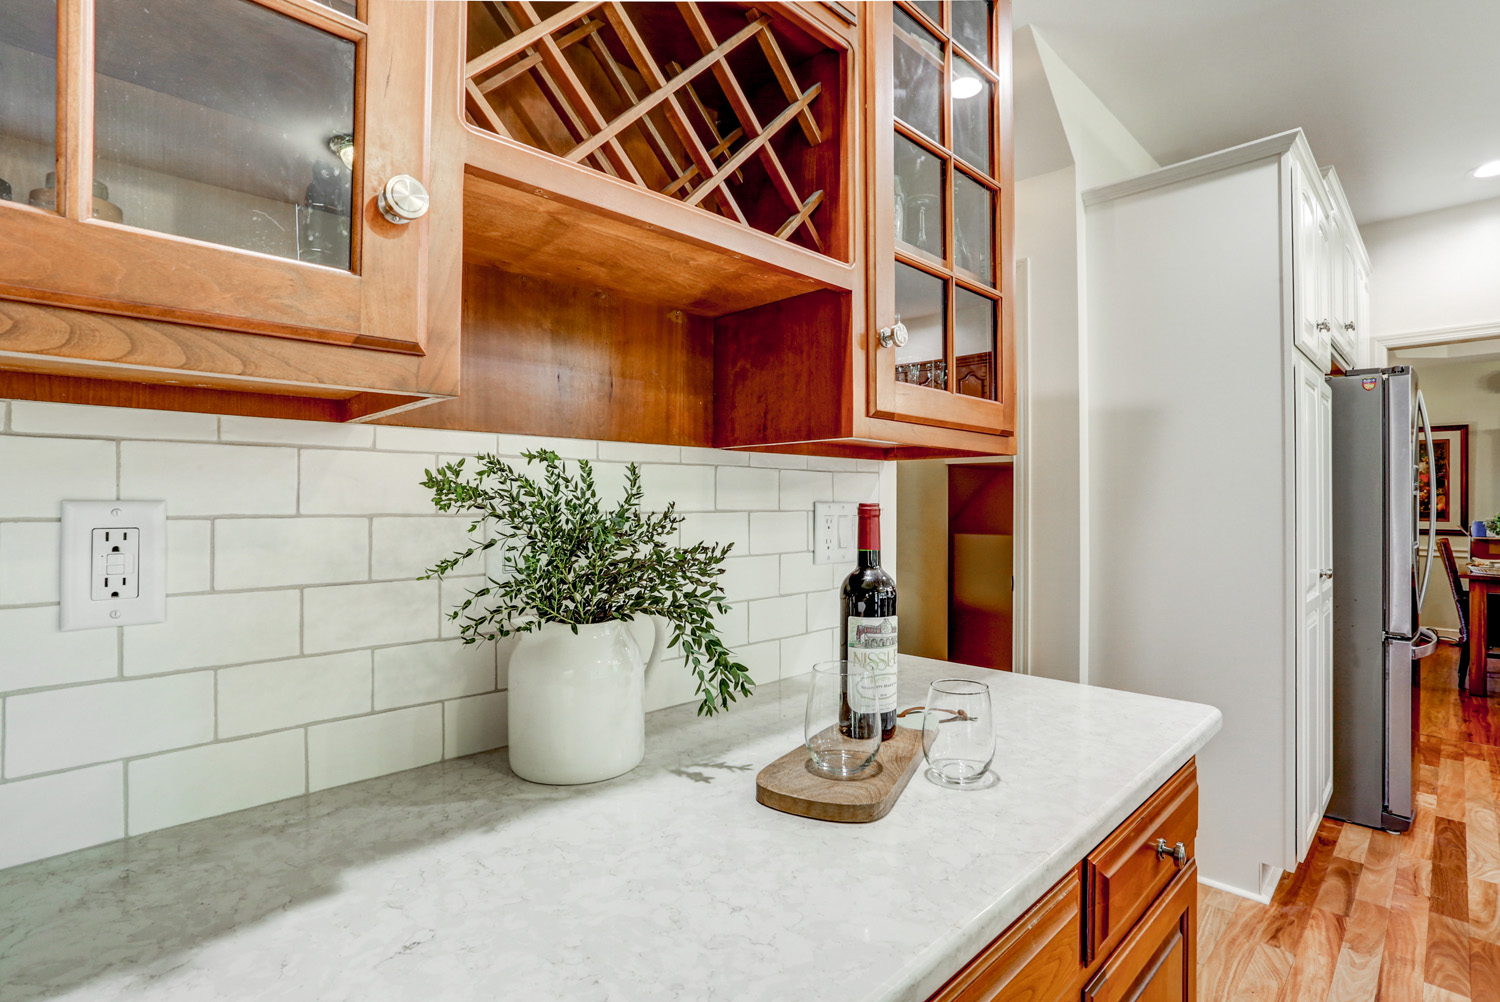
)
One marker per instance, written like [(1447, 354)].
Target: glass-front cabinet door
[(218, 162), (940, 346)]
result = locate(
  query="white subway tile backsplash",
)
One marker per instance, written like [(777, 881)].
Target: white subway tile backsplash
[(799, 654), (405, 547), (32, 417), (62, 728), (30, 558), (773, 618), (56, 814), (344, 617), (179, 787), (801, 488), (276, 694), (35, 653), (715, 457), (189, 555), (856, 487), (210, 479), (399, 439), (748, 488), (220, 628), (692, 487), (424, 673), (474, 724), (636, 452), (775, 460), (41, 473), (716, 528), (296, 620), (252, 552), (347, 751), (778, 531), (566, 448), (274, 431), (751, 577), (799, 573), (823, 610), (364, 483)]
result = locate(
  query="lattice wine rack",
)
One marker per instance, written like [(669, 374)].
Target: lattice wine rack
[(723, 106)]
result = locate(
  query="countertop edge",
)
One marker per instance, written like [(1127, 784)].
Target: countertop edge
[(933, 967)]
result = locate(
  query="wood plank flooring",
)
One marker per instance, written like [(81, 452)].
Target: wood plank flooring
[(1371, 915)]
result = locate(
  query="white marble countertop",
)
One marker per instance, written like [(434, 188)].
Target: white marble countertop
[(458, 881)]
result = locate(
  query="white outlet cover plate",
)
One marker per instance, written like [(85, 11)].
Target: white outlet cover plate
[(80, 610), (835, 532)]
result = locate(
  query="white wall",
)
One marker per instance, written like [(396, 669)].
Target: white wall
[(1436, 270), (299, 651)]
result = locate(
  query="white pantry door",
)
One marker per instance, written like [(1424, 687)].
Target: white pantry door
[(1314, 575)]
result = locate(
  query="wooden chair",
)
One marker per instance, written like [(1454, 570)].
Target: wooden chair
[(1461, 600)]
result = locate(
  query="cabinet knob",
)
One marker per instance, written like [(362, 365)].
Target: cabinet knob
[(403, 199), (894, 336), (1177, 852), (1326, 573), (1349, 326), (1324, 325)]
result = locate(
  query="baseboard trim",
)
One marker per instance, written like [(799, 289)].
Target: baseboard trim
[(1239, 892)]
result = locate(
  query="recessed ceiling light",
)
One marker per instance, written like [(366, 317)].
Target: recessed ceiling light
[(1491, 169), (966, 86)]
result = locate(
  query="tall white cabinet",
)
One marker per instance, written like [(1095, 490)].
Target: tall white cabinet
[(1211, 313)]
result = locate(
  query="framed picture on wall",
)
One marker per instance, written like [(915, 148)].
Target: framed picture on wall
[(1443, 479)]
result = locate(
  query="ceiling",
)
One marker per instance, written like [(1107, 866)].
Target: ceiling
[(1400, 97)]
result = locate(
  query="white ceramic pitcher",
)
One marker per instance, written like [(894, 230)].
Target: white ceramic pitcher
[(577, 702)]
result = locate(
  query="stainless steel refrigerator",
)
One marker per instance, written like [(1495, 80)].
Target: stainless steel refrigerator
[(1377, 593)]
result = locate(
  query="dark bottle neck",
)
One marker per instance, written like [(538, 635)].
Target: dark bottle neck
[(868, 559)]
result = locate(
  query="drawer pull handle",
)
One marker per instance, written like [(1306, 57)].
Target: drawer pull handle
[(1177, 852)]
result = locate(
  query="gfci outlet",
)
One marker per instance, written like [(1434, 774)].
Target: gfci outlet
[(834, 533), (114, 563)]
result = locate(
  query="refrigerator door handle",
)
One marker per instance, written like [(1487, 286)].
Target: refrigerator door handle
[(1431, 520)]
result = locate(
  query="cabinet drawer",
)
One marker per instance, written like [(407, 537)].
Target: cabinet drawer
[(1035, 960), (1127, 871), (1156, 961)]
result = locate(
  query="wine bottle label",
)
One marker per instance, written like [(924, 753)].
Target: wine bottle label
[(872, 648)]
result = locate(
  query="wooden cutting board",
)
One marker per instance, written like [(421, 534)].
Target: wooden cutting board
[(789, 784)]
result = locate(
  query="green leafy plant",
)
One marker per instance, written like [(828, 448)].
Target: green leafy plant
[(1492, 525), (568, 560)]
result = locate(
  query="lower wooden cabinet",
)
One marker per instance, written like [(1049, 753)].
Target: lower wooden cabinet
[(1120, 927)]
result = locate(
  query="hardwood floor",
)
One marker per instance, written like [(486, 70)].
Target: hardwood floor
[(1371, 915)]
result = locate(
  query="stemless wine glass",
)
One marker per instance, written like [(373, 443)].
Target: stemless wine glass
[(843, 719), (958, 736)]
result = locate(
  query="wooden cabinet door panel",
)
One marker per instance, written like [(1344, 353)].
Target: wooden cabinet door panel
[(1127, 872), (1036, 960), (1156, 962)]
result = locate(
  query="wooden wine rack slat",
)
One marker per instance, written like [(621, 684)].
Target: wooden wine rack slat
[(701, 151)]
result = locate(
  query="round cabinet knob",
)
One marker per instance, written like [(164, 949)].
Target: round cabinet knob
[(1177, 852), (894, 336), (403, 199)]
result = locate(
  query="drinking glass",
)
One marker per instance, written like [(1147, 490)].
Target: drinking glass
[(958, 736), (843, 719)]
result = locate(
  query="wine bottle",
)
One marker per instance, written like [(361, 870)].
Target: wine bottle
[(869, 627)]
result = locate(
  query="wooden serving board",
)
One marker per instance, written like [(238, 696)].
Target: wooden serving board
[(789, 784)]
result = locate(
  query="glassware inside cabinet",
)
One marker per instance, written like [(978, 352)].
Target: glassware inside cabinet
[(922, 303), (229, 123), (918, 76), (974, 223), (28, 99), (919, 205)]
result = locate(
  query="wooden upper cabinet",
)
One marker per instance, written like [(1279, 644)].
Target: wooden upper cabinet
[(216, 162), (939, 159)]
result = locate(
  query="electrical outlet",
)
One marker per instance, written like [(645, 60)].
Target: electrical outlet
[(114, 563), (834, 532)]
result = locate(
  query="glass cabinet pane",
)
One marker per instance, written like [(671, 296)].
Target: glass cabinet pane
[(917, 75), (972, 100), (28, 101), (974, 227), (971, 28), (974, 344), (223, 121), (919, 197), (932, 8), (342, 6), (922, 305)]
